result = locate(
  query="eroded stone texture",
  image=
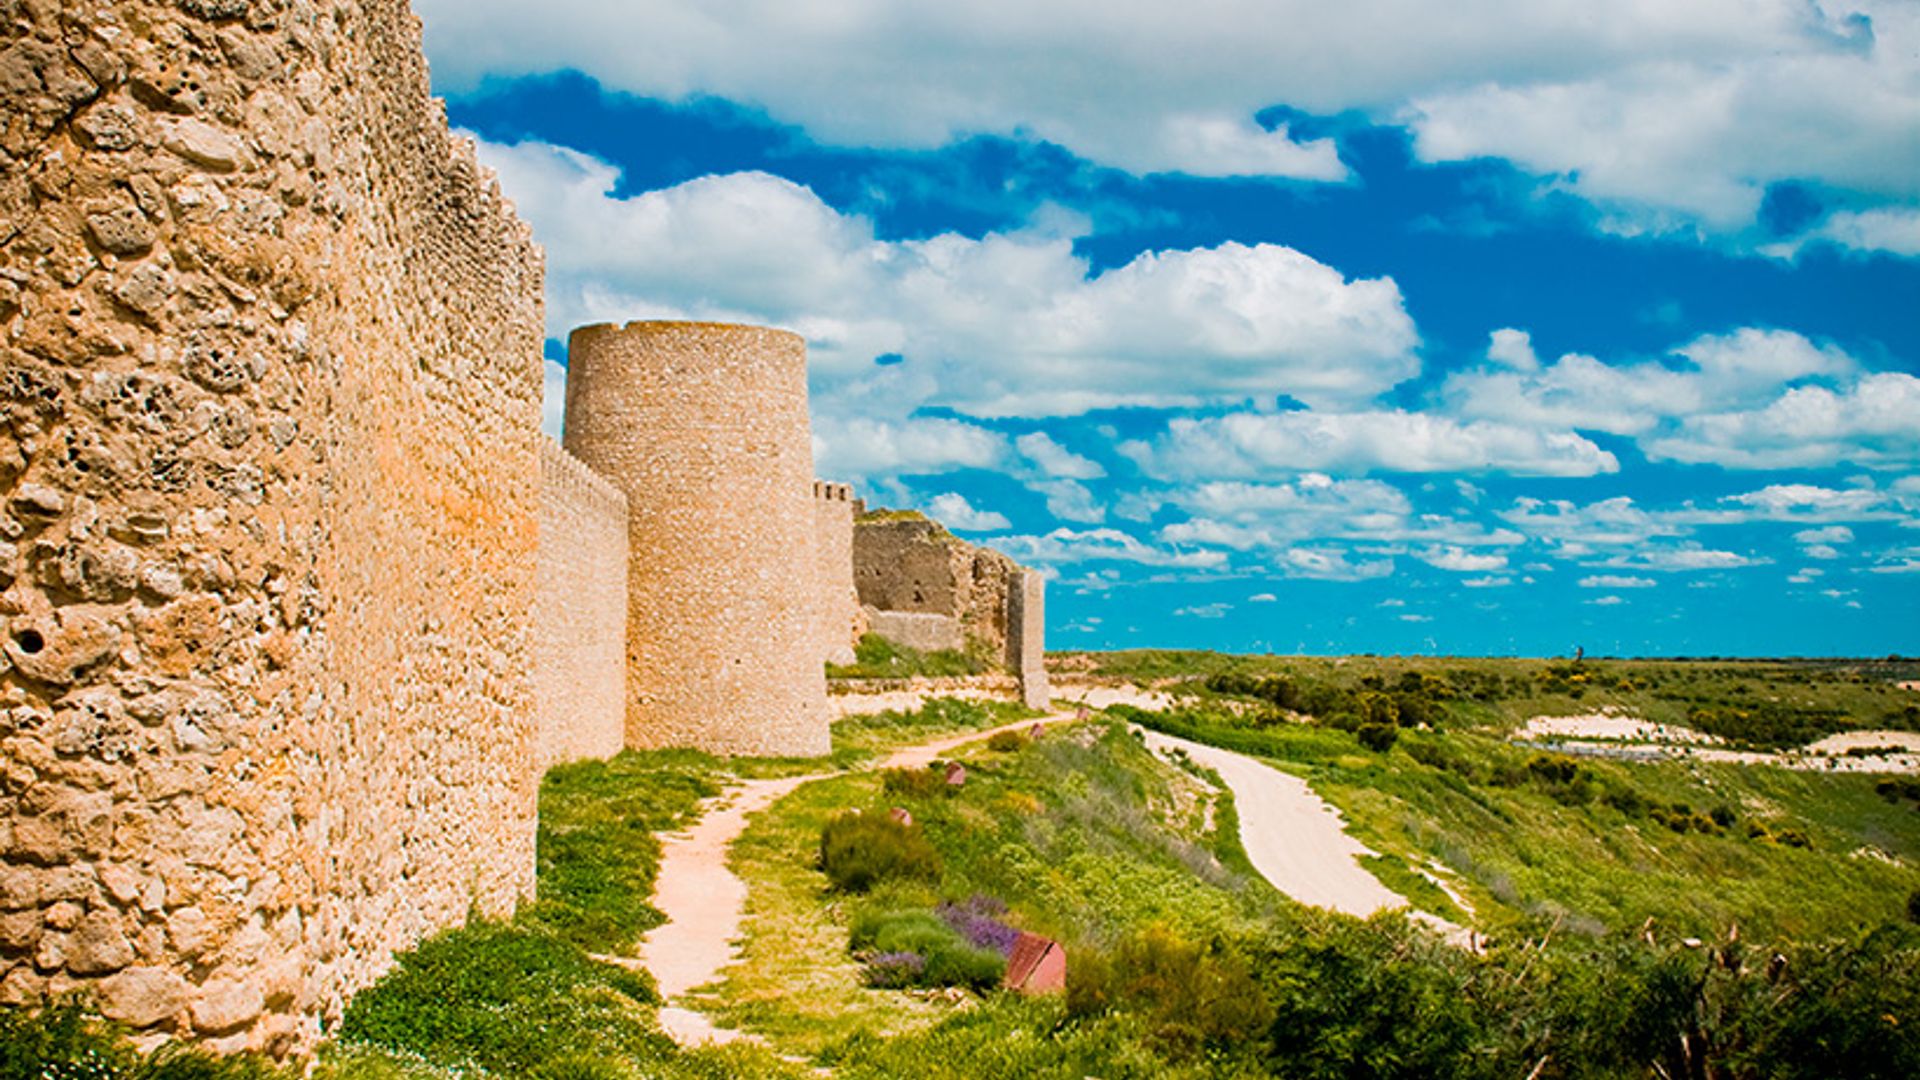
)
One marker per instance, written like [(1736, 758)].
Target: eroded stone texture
[(580, 611), (704, 427), (923, 587), (269, 370), (840, 618)]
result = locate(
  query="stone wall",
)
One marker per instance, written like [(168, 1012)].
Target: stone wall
[(925, 631), (925, 588), (269, 361), (840, 619), (705, 429), (580, 612), (1027, 637), (908, 563)]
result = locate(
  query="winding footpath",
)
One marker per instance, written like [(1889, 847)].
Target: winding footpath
[(703, 900), (1297, 840), (1293, 838)]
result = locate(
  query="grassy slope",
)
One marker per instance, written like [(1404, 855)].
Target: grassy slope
[(1525, 852), (1085, 835)]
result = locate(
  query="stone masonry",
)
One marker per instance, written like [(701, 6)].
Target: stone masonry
[(295, 602), (924, 587), (705, 428), (839, 619), (269, 370), (580, 612)]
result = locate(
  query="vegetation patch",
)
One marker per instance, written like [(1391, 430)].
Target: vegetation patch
[(875, 657), (858, 851)]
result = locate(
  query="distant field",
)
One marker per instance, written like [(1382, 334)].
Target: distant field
[(1762, 704)]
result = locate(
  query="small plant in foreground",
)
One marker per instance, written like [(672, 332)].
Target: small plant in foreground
[(978, 920), (914, 783), (859, 850), (1007, 742), (66, 1042)]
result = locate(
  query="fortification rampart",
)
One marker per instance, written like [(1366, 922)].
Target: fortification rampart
[(924, 587), (840, 619), (705, 428), (580, 611), (269, 363)]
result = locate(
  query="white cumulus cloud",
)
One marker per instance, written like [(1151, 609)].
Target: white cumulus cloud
[(1670, 113), (954, 511), (1010, 324), (1249, 444)]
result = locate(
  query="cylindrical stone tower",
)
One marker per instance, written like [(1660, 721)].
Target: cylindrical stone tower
[(704, 427)]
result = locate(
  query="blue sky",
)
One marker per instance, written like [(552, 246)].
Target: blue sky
[(1489, 327)]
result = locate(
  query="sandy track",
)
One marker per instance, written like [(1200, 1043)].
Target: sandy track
[(703, 900), (1296, 839)]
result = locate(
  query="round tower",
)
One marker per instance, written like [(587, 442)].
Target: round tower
[(704, 427)]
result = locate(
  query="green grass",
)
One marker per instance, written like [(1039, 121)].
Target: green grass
[(875, 657), (1181, 962), (1469, 801), (597, 848), (1084, 834), (860, 739)]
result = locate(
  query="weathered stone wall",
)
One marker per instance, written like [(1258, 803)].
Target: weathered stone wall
[(840, 619), (1027, 637), (705, 428), (925, 588), (269, 364), (926, 631), (912, 564), (580, 612)]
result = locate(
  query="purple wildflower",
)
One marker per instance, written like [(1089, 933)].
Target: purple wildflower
[(977, 920), (892, 970)]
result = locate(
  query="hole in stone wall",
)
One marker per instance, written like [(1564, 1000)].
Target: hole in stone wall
[(30, 641)]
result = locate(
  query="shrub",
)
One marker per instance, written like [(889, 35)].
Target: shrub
[(944, 957), (1007, 742), (914, 783), (1189, 995), (895, 970), (1377, 737), (978, 921), (857, 850), (1913, 906)]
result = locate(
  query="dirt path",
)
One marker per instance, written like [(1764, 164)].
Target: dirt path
[(703, 900), (1296, 840)]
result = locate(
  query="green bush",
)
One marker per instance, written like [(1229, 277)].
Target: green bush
[(65, 1042), (1189, 995), (858, 850), (1007, 742), (1377, 737), (914, 783), (949, 960), (877, 658)]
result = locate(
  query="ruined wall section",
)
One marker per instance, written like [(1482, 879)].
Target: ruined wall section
[(908, 563), (840, 620), (269, 364), (704, 427), (580, 612), (1027, 637)]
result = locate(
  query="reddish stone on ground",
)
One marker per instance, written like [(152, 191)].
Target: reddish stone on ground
[(1037, 965)]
